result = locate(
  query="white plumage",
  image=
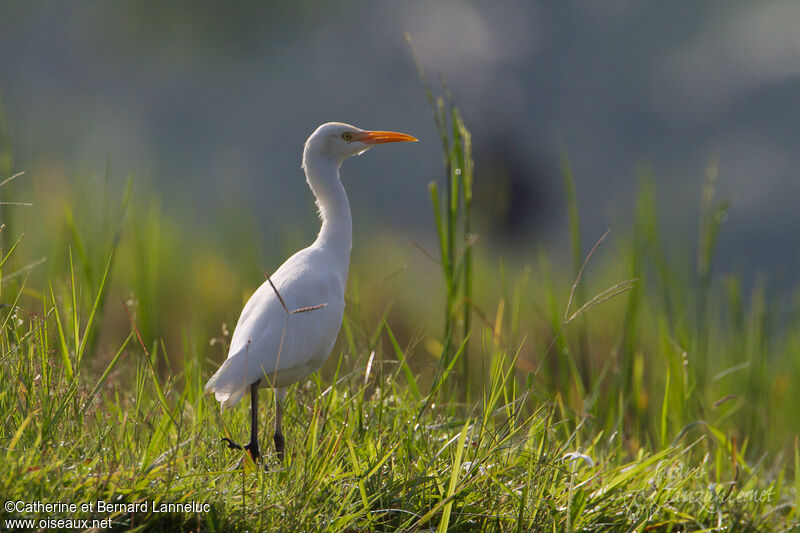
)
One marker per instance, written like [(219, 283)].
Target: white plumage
[(275, 348), (306, 279)]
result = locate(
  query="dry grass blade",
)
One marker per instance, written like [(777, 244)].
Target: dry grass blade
[(382, 282), (619, 288), (494, 325), (23, 270), (580, 272), (283, 302), (369, 367), (307, 309), (15, 176), (425, 252), (278, 294), (133, 325)]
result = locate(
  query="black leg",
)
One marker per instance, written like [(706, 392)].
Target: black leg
[(279, 442), (252, 446)]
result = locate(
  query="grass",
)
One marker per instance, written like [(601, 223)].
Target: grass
[(632, 393)]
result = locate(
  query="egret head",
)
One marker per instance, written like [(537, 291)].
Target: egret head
[(338, 141)]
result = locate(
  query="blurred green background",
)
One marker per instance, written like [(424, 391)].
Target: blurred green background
[(203, 109), (208, 105)]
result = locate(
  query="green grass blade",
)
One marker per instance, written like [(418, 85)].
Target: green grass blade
[(88, 401), (455, 470), (97, 302), (10, 251), (410, 379), (62, 338), (664, 411)]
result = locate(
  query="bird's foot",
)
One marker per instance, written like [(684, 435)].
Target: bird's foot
[(232, 445), (251, 448)]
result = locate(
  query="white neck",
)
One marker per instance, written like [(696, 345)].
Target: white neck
[(336, 234)]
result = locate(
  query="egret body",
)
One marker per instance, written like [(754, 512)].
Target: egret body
[(288, 327)]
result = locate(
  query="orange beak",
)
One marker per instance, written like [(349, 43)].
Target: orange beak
[(378, 137)]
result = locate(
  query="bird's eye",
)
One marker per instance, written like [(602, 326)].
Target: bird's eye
[(347, 136)]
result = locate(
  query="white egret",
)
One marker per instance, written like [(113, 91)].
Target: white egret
[(275, 343)]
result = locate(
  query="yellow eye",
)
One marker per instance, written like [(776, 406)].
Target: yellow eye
[(347, 136)]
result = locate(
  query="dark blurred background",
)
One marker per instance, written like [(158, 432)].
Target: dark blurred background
[(209, 104)]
